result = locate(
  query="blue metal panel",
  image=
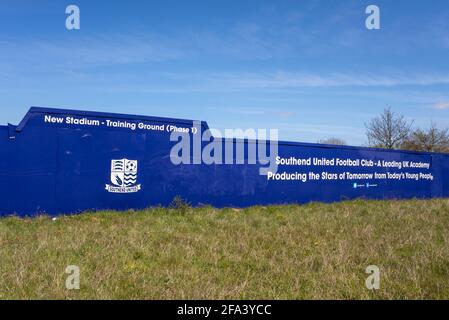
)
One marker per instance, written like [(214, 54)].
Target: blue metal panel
[(5, 173), (31, 171), (68, 161)]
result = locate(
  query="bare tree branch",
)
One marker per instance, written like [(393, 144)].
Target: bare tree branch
[(430, 140), (388, 130)]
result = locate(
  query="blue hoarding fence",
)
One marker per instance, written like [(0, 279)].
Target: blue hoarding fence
[(66, 161)]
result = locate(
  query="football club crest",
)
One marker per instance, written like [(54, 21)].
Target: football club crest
[(124, 176)]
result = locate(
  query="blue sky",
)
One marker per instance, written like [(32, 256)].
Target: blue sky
[(309, 68)]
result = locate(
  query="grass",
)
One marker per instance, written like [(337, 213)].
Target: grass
[(315, 251)]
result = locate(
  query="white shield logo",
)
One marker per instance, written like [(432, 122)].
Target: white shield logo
[(123, 176)]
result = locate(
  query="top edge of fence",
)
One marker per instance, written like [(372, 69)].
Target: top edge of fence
[(204, 124)]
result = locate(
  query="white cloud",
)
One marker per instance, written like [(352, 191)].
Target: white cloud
[(292, 80), (441, 106), (86, 52)]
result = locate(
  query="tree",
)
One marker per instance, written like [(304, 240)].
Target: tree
[(333, 140), (430, 140), (387, 130)]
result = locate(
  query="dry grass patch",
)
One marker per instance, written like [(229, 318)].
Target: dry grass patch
[(315, 251)]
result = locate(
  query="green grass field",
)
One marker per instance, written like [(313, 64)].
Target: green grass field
[(315, 251)]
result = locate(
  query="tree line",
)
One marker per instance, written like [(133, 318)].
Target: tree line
[(393, 131)]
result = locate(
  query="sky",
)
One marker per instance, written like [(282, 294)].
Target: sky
[(309, 68)]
